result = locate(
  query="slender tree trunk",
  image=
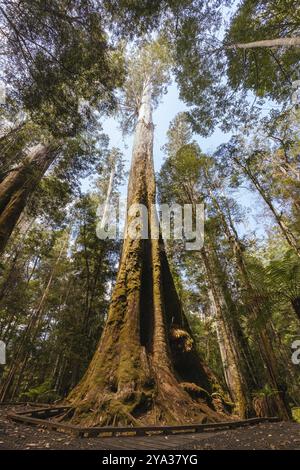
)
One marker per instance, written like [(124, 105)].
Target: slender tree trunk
[(263, 341), (19, 378), (59, 382), (18, 185), (235, 353), (105, 215), (91, 293), (21, 356), (288, 235), (236, 372), (146, 368)]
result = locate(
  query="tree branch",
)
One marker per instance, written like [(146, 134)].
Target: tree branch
[(279, 42)]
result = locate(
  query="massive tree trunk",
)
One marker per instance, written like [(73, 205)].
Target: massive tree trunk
[(146, 368), (18, 185)]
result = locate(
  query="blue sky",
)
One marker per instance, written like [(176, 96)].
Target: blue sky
[(169, 106)]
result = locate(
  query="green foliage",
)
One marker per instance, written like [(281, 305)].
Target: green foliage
[(42, 393), (268, 72), (147, 64), (178, 134), (58, 54), (61, 248), (218, 80), (64, 63)]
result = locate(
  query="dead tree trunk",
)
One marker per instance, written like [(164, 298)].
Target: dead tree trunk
[(146, 368)]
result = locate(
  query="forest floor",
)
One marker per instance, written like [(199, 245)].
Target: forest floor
[(270, 436)]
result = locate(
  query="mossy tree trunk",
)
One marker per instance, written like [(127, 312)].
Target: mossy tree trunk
[(18, 185), (146, 368)]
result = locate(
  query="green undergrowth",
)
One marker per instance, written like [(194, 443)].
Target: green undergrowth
[(296, 414)]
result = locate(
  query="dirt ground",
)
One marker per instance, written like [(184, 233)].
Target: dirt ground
[(270, 436)]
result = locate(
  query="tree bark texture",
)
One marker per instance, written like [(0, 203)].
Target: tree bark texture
[(18, 185)]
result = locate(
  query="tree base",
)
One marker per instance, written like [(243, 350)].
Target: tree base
[(143, 392), (143, 408)]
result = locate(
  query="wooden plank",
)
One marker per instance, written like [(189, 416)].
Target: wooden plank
[(187, 427), (42, 410), (48, 424), (121, 444)]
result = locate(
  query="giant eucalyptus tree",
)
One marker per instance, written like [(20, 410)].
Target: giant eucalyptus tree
[(146, 368)]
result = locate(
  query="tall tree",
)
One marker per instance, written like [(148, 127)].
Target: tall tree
[(192, 177), (18, 185), (21, 355), (146, 363), (63, 57), (51, 332), (267, 53)]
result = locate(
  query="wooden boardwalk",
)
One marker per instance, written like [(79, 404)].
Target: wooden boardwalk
[(22, 431), (130, 438), (179, 442)]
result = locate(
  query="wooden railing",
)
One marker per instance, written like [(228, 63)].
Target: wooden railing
[(42, 417)]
